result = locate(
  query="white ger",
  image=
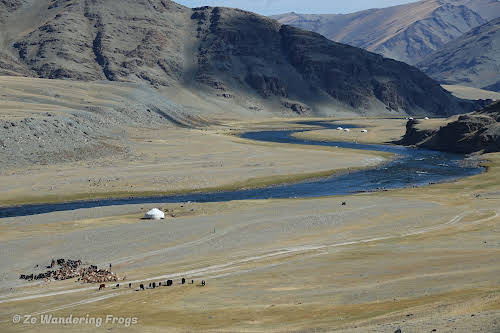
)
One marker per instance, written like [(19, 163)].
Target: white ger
[(154, 214)]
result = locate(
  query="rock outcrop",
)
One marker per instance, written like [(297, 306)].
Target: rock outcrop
[(473, 132)]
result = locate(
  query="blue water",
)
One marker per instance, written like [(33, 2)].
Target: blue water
[(413, 167)]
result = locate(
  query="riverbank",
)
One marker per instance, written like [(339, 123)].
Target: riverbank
[(380, 131), (178, 161)]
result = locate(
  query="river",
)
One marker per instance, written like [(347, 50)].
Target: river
[(412, 167)]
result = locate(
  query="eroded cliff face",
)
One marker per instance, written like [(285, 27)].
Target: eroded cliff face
[(474, 132), (414, 135), (224, 52), (240, 51)]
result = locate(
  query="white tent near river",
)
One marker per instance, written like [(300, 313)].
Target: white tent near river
[(154, 214)]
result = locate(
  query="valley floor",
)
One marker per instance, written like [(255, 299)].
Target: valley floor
[(416, 259)]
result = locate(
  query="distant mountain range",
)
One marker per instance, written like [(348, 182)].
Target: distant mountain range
[(407, 32), (232, 55), (470, 60)]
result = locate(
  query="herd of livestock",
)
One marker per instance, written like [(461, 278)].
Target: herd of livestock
[(153, 285), (68, 269)]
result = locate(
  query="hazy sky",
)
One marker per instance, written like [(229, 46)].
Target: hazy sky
[(268, 7)]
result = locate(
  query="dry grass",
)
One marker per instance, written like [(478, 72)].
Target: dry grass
[(472, 93)]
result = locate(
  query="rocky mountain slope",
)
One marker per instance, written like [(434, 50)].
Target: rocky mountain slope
[(472, 60), (473, 132), (407, 32), (235, 56), (488, 9)]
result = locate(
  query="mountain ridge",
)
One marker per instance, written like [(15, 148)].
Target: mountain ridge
[(471, 60), (229, 54), (405, 32)]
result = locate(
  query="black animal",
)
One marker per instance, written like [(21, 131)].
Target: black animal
[(141, 286), (118, 285), (203, 283), (169, 283), (102, 286), (183, 280), (149, 284), (192, 281), (344, 203), (154, 285), (130, 285)]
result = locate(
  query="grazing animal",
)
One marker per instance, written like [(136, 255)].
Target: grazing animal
[(149, 284), (102, 286), (130, 285), (154, 285), (169, 283), (192, 281), (203, 283), (118, 285), (159, 284), (141, 286), (183, 280), (344, 203)]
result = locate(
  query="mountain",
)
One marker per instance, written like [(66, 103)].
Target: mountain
[(234, 56), (488, 9), (407, 32), (473, 132), (472, 60)]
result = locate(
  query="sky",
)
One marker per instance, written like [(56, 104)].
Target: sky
[(269, 7)]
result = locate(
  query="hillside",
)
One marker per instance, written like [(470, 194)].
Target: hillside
[(228, 55), (471, 93), (472, 60), (407, 32), (473, 132)]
